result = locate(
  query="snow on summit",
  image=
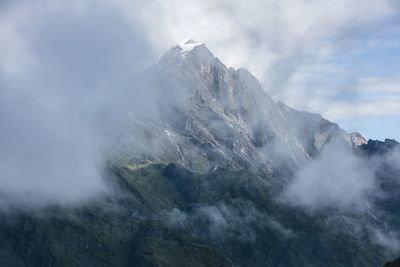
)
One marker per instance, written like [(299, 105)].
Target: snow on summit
[(188, 46)]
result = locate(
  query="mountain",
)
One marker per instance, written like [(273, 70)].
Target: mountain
[(373, 147), (395, 263), (212, 116), (195, 174)]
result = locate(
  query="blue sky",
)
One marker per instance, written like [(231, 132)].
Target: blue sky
[(377, 60), (366, 91)]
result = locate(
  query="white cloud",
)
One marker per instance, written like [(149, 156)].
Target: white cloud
[(337, 111), (376, 96), (62, 66), (380, 85), (337, 179), (286, 44), (255, 33)]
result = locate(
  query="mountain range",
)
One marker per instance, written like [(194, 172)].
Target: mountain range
[(198, 175)]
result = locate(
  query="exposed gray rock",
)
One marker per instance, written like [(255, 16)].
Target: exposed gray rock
[(212, 115)]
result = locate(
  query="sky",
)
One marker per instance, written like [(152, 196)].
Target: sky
[(340, 58)]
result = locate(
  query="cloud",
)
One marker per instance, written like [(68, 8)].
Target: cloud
[(275, 31), (376, 96), (336, 179), (225, 221), (344, 184), (300, 50), (267, 37), (339, 110), (388, 240), (380, 85), (64, 66)]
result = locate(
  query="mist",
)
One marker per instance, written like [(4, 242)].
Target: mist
[(66, 77), (236, 221), (337, 178), (343, 178), (342, 182)]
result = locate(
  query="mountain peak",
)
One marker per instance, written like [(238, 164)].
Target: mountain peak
[(189, 51), (189, 45)]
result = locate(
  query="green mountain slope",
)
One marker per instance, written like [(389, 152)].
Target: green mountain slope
[(166, 215)]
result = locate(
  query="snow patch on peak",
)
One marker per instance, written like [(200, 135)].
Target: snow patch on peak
[(188, 46)]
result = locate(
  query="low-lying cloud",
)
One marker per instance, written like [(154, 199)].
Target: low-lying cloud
[(66, 73), (222, 221), (345, 183), (336, 179)]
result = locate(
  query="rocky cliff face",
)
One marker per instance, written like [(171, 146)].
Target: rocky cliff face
[(211, 115)]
